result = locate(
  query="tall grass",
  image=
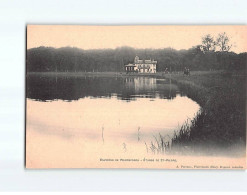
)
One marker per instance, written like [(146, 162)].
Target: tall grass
[(220, 125), (160, 145)]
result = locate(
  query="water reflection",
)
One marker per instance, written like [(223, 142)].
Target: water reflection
[(47, 88), (111, 117)]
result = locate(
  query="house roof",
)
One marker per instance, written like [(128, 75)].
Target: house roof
[(138, 61), (146, 62), (130, 65)]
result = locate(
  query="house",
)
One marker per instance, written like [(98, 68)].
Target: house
[(142, 66)]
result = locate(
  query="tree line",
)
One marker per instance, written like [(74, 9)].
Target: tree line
[(212, 54)]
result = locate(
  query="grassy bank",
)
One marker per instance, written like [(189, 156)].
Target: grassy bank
[(220, 126)]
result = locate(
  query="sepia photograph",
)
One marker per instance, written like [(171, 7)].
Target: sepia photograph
[(136, 96)]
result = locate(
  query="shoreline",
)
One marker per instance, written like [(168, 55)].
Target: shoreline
[(83, 74), (124, 74)]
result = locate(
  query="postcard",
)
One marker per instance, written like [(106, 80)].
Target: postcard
[(137, 96)]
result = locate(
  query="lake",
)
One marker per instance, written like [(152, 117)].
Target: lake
[(71, 118)]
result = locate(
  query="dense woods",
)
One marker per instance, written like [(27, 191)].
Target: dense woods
[(68, 59)]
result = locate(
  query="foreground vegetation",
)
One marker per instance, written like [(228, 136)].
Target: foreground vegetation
[(220, 126)]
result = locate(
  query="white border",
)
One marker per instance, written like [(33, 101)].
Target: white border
[(15, 14)]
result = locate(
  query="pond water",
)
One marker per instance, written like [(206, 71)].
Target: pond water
[(103, 115)]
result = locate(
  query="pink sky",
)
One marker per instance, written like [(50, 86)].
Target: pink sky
[(95, 37)]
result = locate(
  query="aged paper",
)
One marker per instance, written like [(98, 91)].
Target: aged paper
[(159, 97)]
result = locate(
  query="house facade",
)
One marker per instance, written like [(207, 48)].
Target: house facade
[(142, 66)]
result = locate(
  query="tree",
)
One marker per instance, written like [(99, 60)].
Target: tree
[(208, 43), (223, 42), (67, 59)]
